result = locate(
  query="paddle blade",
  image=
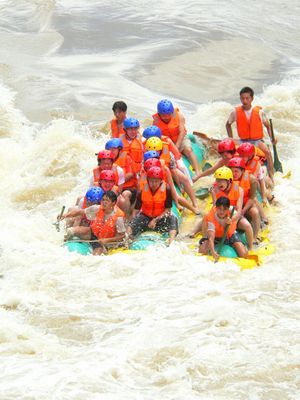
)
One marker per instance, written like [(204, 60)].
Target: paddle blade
[(202, 193), (277, 163)]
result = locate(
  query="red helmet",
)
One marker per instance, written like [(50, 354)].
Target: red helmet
[(246, 150), (237, 162), (152, 162), (105, 154), (108, 175), (226, 145), (155, 172)]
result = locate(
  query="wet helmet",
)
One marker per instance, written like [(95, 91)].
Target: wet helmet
[(108, 175), (105, 154), (165, 107), (236, 162), (226, 145), (151, 154), (151, 131), (155, 172), (114, 143), (223, 173), (246, 150), (94, 194), (130, 123), (154, 143), (151, 162)]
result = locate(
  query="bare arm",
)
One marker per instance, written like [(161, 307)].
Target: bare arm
[(182, 130)]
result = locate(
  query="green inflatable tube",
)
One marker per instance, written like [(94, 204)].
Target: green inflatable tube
[(82, 248)]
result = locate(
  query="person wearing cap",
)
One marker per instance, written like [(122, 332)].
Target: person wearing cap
[(153, 207)]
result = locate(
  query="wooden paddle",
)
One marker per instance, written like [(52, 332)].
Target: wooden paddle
[(277, 163)]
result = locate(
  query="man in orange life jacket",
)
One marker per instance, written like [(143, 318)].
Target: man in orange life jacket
[(93, 196), (249, 184), (214, 226), (105, 159), (124, 161), (153, 207), (249, 123), (116, 124), (182, 181), (225, 186), (172, 124), (227, 150), (107, 224)]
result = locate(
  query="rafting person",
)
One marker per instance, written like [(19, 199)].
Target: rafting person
[(116, 124), (153, 207), (132, 143), (105, 159), (129, 188), (214, 225), (250, 122), (171, 122), (225, 186), (227, 149), (93, 196), (106, 227), (180, 201), (182, 181), (249, 184)]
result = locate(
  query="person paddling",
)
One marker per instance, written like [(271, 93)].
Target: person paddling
[(250, 122)]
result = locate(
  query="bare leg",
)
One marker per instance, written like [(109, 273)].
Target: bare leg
[(82, 232), (253, 213), (262, 146), (240, 249), (245, 226), (188, 152)]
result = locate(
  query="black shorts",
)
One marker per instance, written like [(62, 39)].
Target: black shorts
[(95, 245), (140, 223), (233, 239)]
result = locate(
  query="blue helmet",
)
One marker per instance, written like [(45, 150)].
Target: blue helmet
[(131, 123), (94, 194), (165, 107), (152, 131), (113, 144), (151, 154)]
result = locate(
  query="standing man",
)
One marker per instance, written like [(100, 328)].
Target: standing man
[(249, 124)]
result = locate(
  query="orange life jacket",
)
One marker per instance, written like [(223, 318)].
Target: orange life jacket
[(134, 149), (253, 165), (233, 194), (125, 162), (153, 204), (97, 171), (143, 176), (106, 229), (219, 229), (252, 129), (245, 184), (260, 154), (172, 147), (171, 129), (116, 130)]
